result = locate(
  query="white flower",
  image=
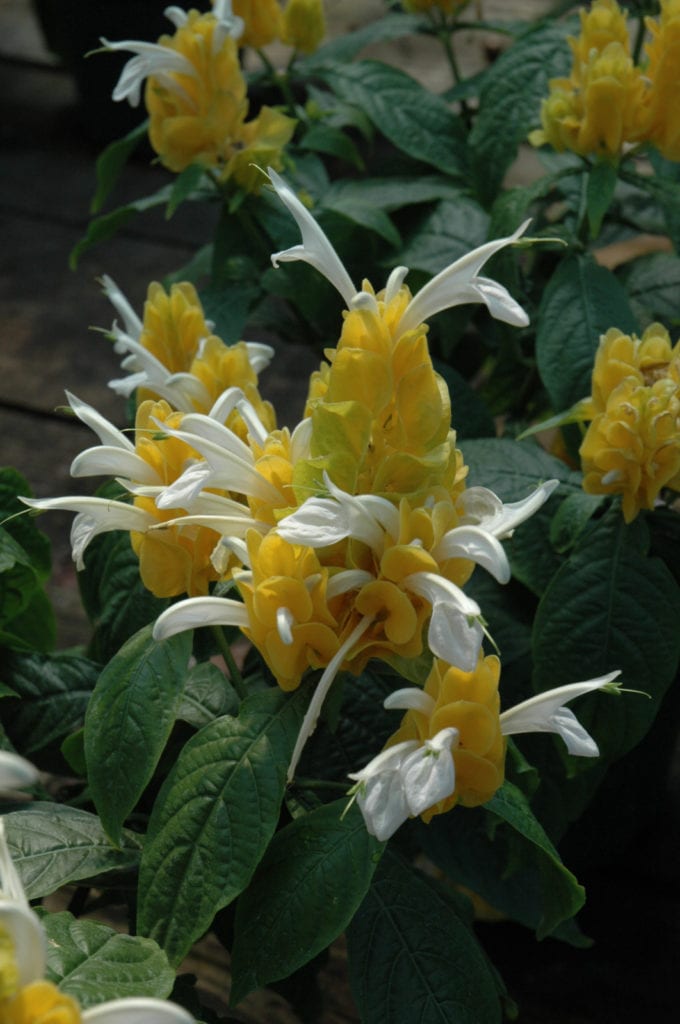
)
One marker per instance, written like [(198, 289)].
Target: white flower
[(404, 780), (163, 62), (457, 284), (546, 713), (28, 948), (15, 771)]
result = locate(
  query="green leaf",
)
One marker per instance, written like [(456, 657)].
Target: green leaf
[(343, 49), (183, 186), (653, 286), (582, 301), (469, 415), (610, 606), (102, 228), (412, 958), (129, 719), (53, 844), (514, 468), (666, 193), (449, 231), (94, 964), (393, 193), (413, 119), (364, 215), (228, 305), (18, 579), (305, 892), (572, 517), (53, 694), (22, 527), (207, 695), (324, 138), (111, 162), (114, 596), (510, 101), (602, 182), (501, 852), (214, 818), (34, 628)]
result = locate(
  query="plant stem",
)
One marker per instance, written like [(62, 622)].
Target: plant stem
[(280, 80), (639, 39), (235, 677)]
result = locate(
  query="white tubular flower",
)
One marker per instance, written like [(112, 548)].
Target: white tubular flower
[(137, 1011), (481, 507), (455, 631), (199, 611), (404, 780), (316, 249), (163, 62), (546, 713), (457, 284), (18, 922), (16, 772), (94, 516)]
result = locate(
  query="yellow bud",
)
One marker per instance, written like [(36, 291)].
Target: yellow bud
[(304, 25), (41, 1002), (262, 21)]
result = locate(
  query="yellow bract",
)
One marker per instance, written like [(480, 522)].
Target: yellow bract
[(41, 1002), (662, 124), (304, 25), (632, 446), (381, 415), (174, 325), (174, 560), (202, 119), (262, 20), (9, 972), (289, 577), (469, 702)]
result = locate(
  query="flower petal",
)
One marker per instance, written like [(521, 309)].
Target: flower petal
[(15, 771), (199, 611), (137, 1011)]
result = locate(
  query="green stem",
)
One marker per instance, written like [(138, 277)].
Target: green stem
[(639, 39), (444, 34), (282, 81), (235, 677)]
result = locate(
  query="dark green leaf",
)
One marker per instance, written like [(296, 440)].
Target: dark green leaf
[(305, 892), (53, 844), (413, 119), (582, 301), (610, 606), (94, 964), (54, 692), (18, 579), (129, 719), (34, 628), (469, 415), (323, 138), (666, 193), (451, 230), (653, 285), (393, 193), (412, 958), (501, 852), (183, 186), (22, 527), (111, 162), (511, 98), (602, 181), (207, 695), (214, 818), (106, 226), (364, 215), (513, 469)]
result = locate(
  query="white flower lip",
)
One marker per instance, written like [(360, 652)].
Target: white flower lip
[(137, 1011), (16, 772)]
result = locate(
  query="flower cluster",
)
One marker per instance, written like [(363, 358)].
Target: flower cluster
[(608, 102), (632, 446), (300, 23), (26, 997), (196, 97), (346, 539)]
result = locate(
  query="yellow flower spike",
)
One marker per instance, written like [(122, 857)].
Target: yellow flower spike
[(632, 446), (218, 367), (262, 20), (41, 1003), (662, 114), (175, 560), (288, 616), (612, 95), (603, 23), (173, 325), (304, 25)]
